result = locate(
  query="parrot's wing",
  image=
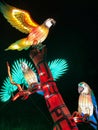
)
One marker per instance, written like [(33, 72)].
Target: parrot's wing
[(17, 73), (58, 67), (7, 90), (95, 105), (20, 19)]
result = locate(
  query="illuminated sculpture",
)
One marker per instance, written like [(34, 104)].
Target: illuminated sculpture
[(21, 20), (44, 81), (56, 106), (24, 74), (87, 106)]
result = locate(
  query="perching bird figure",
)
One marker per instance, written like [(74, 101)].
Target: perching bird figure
[(23, 73), (29, 75), (87, 105), (21, 20)]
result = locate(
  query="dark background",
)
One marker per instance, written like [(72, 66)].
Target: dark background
[(72, 38)]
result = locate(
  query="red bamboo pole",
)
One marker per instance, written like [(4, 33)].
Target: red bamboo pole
[(55, 104)]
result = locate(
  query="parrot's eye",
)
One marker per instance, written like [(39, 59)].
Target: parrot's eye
[(23, 65), (80, 84)]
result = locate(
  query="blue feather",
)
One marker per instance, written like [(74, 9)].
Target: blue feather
[(40, 92), (93, 119), (93, 99)]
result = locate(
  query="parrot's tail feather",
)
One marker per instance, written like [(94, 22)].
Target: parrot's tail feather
[(9, 48), (13, 47), (18, 45), (93, 122), (6, 49), (1, 6), (4, 7), (26, 48)]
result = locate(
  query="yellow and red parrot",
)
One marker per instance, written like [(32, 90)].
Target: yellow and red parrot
[(21, 20)]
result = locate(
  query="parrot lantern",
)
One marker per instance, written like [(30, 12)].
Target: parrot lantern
[(87, 106), (21, 20)]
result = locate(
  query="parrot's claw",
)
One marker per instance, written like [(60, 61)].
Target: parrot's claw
[(85, 117), (39, 46), (76, 114), (25, 97)]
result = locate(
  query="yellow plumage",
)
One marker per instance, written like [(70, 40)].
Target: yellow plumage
[(19, 45), (18, 18)]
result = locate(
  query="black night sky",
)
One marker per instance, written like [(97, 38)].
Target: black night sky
[(72, 38)]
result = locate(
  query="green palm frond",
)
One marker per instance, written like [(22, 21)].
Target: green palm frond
[(58, 67), (17, 75), (6, 90)]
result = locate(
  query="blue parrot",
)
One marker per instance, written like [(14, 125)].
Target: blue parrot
[(87, 104)]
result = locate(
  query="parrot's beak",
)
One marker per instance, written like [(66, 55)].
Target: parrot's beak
[(80, 89), (53, 22)]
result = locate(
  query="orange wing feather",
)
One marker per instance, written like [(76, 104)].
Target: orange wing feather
[(20, 19)]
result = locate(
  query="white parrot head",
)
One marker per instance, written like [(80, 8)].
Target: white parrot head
[(83, 87), (24, 67), (49, 22)]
